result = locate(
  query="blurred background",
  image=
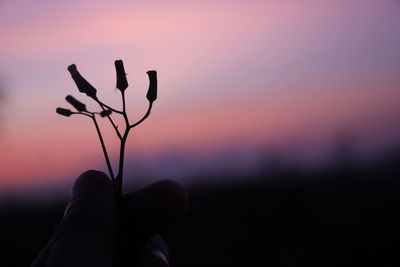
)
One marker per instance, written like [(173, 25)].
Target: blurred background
[(281, 118)]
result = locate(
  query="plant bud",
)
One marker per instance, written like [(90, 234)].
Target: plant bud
[(83, 85), (105, 113), (122, 83), (75, 103), (152, 92), (64, 112)]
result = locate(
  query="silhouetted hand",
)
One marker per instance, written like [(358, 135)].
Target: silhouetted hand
[(87, 234)]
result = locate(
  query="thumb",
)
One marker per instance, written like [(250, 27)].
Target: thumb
[(86, 235)]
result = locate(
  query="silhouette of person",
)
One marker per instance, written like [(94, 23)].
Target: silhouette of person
[(88, 233)]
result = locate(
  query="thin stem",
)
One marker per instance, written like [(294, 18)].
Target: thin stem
[(119, 179), (108, 107), (124, 109), (104, 148), (144, 117), (83, 113), (112, 122)]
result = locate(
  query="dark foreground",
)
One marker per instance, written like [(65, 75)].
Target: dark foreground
[(336, 217)]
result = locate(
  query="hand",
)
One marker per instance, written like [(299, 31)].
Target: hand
[(87, 234)]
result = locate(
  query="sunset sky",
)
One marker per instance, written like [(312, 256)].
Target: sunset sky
[(236, 78)]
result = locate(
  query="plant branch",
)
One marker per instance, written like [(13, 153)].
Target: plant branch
[(83, 113), (108, 107), (119, 178), (104, 148), (124, 110), (144, 117), (112, 122)]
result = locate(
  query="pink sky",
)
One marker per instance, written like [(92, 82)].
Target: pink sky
[(248, 74)]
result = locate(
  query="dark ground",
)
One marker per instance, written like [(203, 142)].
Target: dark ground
[(339, 216)]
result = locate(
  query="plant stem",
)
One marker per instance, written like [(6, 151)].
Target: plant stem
[(108, 107), (104, 148), (119, 179), (124, 110), (144, 117), (112, 122), (120, 175)]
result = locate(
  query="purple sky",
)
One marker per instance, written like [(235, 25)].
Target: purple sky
[(236, 78)]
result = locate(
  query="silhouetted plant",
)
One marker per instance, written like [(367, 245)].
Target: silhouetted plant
[(122, 84)]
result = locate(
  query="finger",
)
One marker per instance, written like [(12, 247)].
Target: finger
[(44, 255), (148, 211), (86, 235), (155, 253), (153, 207)]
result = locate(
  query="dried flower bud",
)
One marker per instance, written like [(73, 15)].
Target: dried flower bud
[(122, 83), (64, 112), (83, 85), (75, 103), (152, 92), (105, 113)]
